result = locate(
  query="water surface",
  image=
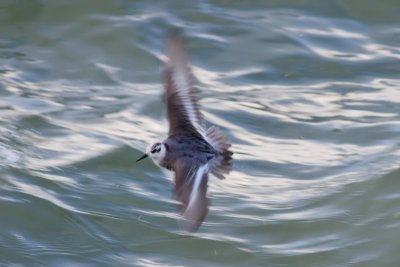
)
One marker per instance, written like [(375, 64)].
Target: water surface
[(307, 91)]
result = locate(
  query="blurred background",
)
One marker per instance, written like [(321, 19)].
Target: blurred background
[(308, 92)]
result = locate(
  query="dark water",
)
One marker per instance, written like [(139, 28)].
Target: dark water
[(308, 91)]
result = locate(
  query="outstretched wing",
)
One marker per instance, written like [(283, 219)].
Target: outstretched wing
[(180, 94), (191, 192)]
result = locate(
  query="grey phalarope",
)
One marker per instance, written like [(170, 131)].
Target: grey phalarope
[(191, 151)]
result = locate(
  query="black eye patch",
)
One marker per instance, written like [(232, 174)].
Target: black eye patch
[(155, 146), (156, 150)]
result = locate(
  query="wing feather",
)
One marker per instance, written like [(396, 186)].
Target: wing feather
[(191, 192), (181, 95)]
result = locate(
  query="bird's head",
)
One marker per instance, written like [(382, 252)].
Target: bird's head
[(156, 152)]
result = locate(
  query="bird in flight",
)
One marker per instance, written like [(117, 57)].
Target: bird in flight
[(190, 150)]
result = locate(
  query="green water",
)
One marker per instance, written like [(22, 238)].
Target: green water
[(307, 91)]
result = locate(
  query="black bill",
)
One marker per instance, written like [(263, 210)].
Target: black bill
[(142, 157)]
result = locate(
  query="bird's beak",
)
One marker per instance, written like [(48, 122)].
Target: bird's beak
[(142, 157)]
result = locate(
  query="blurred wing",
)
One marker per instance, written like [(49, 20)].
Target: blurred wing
[(191, 192), (180, 94)]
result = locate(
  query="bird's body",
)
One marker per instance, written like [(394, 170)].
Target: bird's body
[(187, 147), (190, 151)]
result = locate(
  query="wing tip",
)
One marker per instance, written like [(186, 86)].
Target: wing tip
[(175, 32), (193, 217), (175, 43), (176, 53)]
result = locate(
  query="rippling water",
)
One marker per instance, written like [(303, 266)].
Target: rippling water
[(308, 91)]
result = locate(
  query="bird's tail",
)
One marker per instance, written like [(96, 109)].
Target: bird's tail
[(223, 164)]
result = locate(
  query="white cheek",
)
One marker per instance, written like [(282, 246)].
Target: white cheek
[(157, 157), (160, 156)]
